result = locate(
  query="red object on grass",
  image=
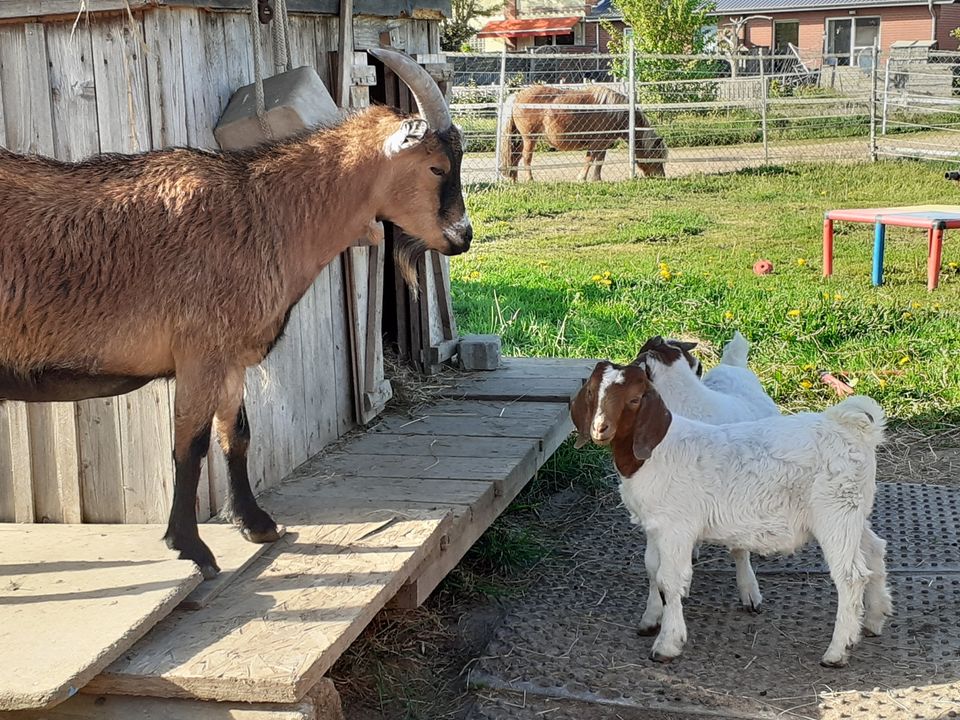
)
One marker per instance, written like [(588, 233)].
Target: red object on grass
[(763, 267)]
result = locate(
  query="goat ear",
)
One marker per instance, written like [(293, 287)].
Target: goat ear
[(651, 424), (581, 413), (686, 345), (410, 134)]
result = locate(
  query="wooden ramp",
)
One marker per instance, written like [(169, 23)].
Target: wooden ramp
[(380, 520)]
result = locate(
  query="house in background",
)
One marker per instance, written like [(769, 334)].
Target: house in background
[(841, 31), (562, 25)]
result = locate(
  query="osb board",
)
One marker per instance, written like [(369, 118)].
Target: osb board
[(270, 636), (321, 703), (73, 598), (233, 552)]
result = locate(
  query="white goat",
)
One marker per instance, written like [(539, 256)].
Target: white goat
[(728, 393), (767, 486)]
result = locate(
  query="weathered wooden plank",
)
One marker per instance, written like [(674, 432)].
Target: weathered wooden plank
[(444, 304), (217, 83), (486, 408), (318, 359), (345, 52), (147, 453), (472, 426), (341, 343), (525, 389), (15, 106), (393, 493), (285, 366), (167, 96), (123, 107), (272, 634), (322, 703), (58, 577), (53, 453), (100, 460), (234, 555), (13, 9), (542, 368), (38, 88), (199, 116), (73, 91), (262, 466), (407, 466), (439, 447), (16, 478), (236, 35)]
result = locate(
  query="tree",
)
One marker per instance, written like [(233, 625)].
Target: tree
[(667, 27), (456, 31)]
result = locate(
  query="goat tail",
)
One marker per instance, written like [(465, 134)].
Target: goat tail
[(510, 142), (735, 351), (861, 416)]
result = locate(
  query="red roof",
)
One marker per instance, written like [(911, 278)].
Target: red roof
[(529, 27)]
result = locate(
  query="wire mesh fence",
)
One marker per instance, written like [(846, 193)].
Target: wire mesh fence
[(566, 116)]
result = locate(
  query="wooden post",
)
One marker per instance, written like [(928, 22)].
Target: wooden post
[(345, 53)]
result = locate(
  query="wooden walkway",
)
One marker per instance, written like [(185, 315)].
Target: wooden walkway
[(378, 521)]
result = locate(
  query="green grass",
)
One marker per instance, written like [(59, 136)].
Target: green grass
[(592, 270)]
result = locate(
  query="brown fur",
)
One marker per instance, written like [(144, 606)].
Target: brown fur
[(636, 417), (594, 131), (120, 269)]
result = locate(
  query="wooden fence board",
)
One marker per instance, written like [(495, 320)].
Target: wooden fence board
[(471, 427), (272, 634), (16, 473), (167, 95), (383, 443), (407, 466), (73, 91), (318, 360), (387, 492)]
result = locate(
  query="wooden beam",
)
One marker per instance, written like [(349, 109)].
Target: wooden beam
[(345, 53)]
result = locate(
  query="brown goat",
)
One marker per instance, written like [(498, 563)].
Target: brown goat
[(563, 128), (125, 268)]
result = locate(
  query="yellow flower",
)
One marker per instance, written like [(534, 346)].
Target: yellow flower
[(596, 278), (806, 384), (801, 261), (663, 267), (904, 360), (916, 305), (606, 282), (666, 274), (728, 315), (793, 313), (809, 366), (882, 383), (606, 273), (838, 297), (906, 316), (936, 306), (474, 275), (826, 296), (953, 265), (481, 258)]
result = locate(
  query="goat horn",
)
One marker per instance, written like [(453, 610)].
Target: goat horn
[(433, 108)]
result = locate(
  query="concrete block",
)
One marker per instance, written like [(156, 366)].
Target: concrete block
[(295, 100), (479, 352)]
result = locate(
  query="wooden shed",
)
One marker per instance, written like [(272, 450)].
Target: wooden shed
[(380, 517)]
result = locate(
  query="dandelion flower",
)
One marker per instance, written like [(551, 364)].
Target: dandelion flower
[(606, 282), (916, 305), (838, 297), (793, 313), (606, 273), (882, 383), (801, 261), (904, 360), (806, 384), (907, 315), (826, 296), (809, 366), (728, 315), (953, 265), (596, 278), (935, 306), (475, 275)]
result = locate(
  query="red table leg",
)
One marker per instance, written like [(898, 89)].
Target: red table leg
[(827, 247), (934, 258)]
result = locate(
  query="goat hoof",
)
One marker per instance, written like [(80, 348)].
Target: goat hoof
[(834, 663), (264, 536), (663, 659), (209, 572), (197, 552), (867, 632), (753, 608), (648, 631)]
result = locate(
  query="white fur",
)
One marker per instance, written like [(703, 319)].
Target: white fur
[(728, 393), (766, 486)]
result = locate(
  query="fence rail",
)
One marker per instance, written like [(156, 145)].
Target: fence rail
[(713, 113)]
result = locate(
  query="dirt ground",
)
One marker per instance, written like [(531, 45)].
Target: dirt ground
[(478, 624)]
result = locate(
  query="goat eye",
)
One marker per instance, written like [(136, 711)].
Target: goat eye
[(437, 171), (635, 401)]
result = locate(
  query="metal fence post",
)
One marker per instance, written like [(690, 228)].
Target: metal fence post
[(875, 72), (632, 121), (886, 97), (501, 95), (763, 110)]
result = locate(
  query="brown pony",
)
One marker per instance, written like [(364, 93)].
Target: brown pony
[(564, 128)]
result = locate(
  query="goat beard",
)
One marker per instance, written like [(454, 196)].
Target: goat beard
[(407, 252)]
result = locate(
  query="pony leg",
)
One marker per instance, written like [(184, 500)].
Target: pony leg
[(528, 145), (588, 163), (598, 158)]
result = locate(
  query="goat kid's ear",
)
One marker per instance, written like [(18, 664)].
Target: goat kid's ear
[(410, 134), (650, 426), (580, 413), (686, 345)]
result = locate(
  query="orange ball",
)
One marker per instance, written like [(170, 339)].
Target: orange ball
[(763, 267)]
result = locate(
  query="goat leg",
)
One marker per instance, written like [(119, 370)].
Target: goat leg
[(182, 534), (241, 505)]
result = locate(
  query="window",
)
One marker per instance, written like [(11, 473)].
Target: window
[(849, 40), (785, 33), (543, 40)]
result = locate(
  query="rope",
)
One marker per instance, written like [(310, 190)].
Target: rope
[(281, 37), (258, 69)]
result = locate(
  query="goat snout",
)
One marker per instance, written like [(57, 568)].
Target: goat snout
[(459, 236), (600, 431)]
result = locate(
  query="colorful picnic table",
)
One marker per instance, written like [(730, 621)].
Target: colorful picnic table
[(935, 218)]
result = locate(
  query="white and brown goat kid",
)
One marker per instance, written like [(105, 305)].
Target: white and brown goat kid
[(767, 486)]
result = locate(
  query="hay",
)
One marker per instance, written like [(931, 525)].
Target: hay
[(914, 455)]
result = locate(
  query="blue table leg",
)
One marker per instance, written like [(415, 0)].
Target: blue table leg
[(878, 240)]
